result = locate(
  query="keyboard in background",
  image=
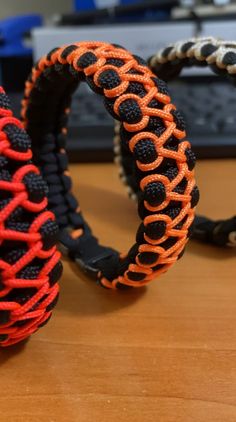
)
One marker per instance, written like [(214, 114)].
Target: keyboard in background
[(208, 105)]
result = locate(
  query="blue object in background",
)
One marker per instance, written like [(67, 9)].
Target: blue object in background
[(147, 15), (16, 57), (94, 4), (12, 32)]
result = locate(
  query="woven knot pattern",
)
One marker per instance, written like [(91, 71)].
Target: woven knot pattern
[(218, 54), (152, 134), (29, 262)]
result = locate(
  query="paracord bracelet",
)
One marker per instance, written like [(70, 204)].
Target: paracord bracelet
[(29, 262), (220, 56), (150, 127)]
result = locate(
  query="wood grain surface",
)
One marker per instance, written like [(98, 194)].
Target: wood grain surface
[(165, 353)]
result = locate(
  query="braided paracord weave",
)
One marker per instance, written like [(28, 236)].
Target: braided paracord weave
[(29, 262), (151, 132), (220, 56)]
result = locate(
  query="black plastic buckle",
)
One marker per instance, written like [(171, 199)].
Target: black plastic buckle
[(202, 229), (85, 251), (221, 233), (224, 233), (89, 266), (90, 253)]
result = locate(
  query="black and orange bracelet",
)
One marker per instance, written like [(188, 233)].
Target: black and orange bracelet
[(29, 261), (151, 133), (220, 56)]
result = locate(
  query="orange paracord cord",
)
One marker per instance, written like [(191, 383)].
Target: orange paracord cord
[(29, 262), (151, 131)]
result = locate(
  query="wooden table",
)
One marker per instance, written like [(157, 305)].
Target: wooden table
[(166, 353)]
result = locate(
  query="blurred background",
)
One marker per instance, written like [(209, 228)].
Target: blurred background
[(45, 8), (29, 29)]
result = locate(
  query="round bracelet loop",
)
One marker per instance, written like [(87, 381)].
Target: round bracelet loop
[(151, 134), (29, 261)]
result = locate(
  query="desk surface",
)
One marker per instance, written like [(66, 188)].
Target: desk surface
[(166, 353)]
